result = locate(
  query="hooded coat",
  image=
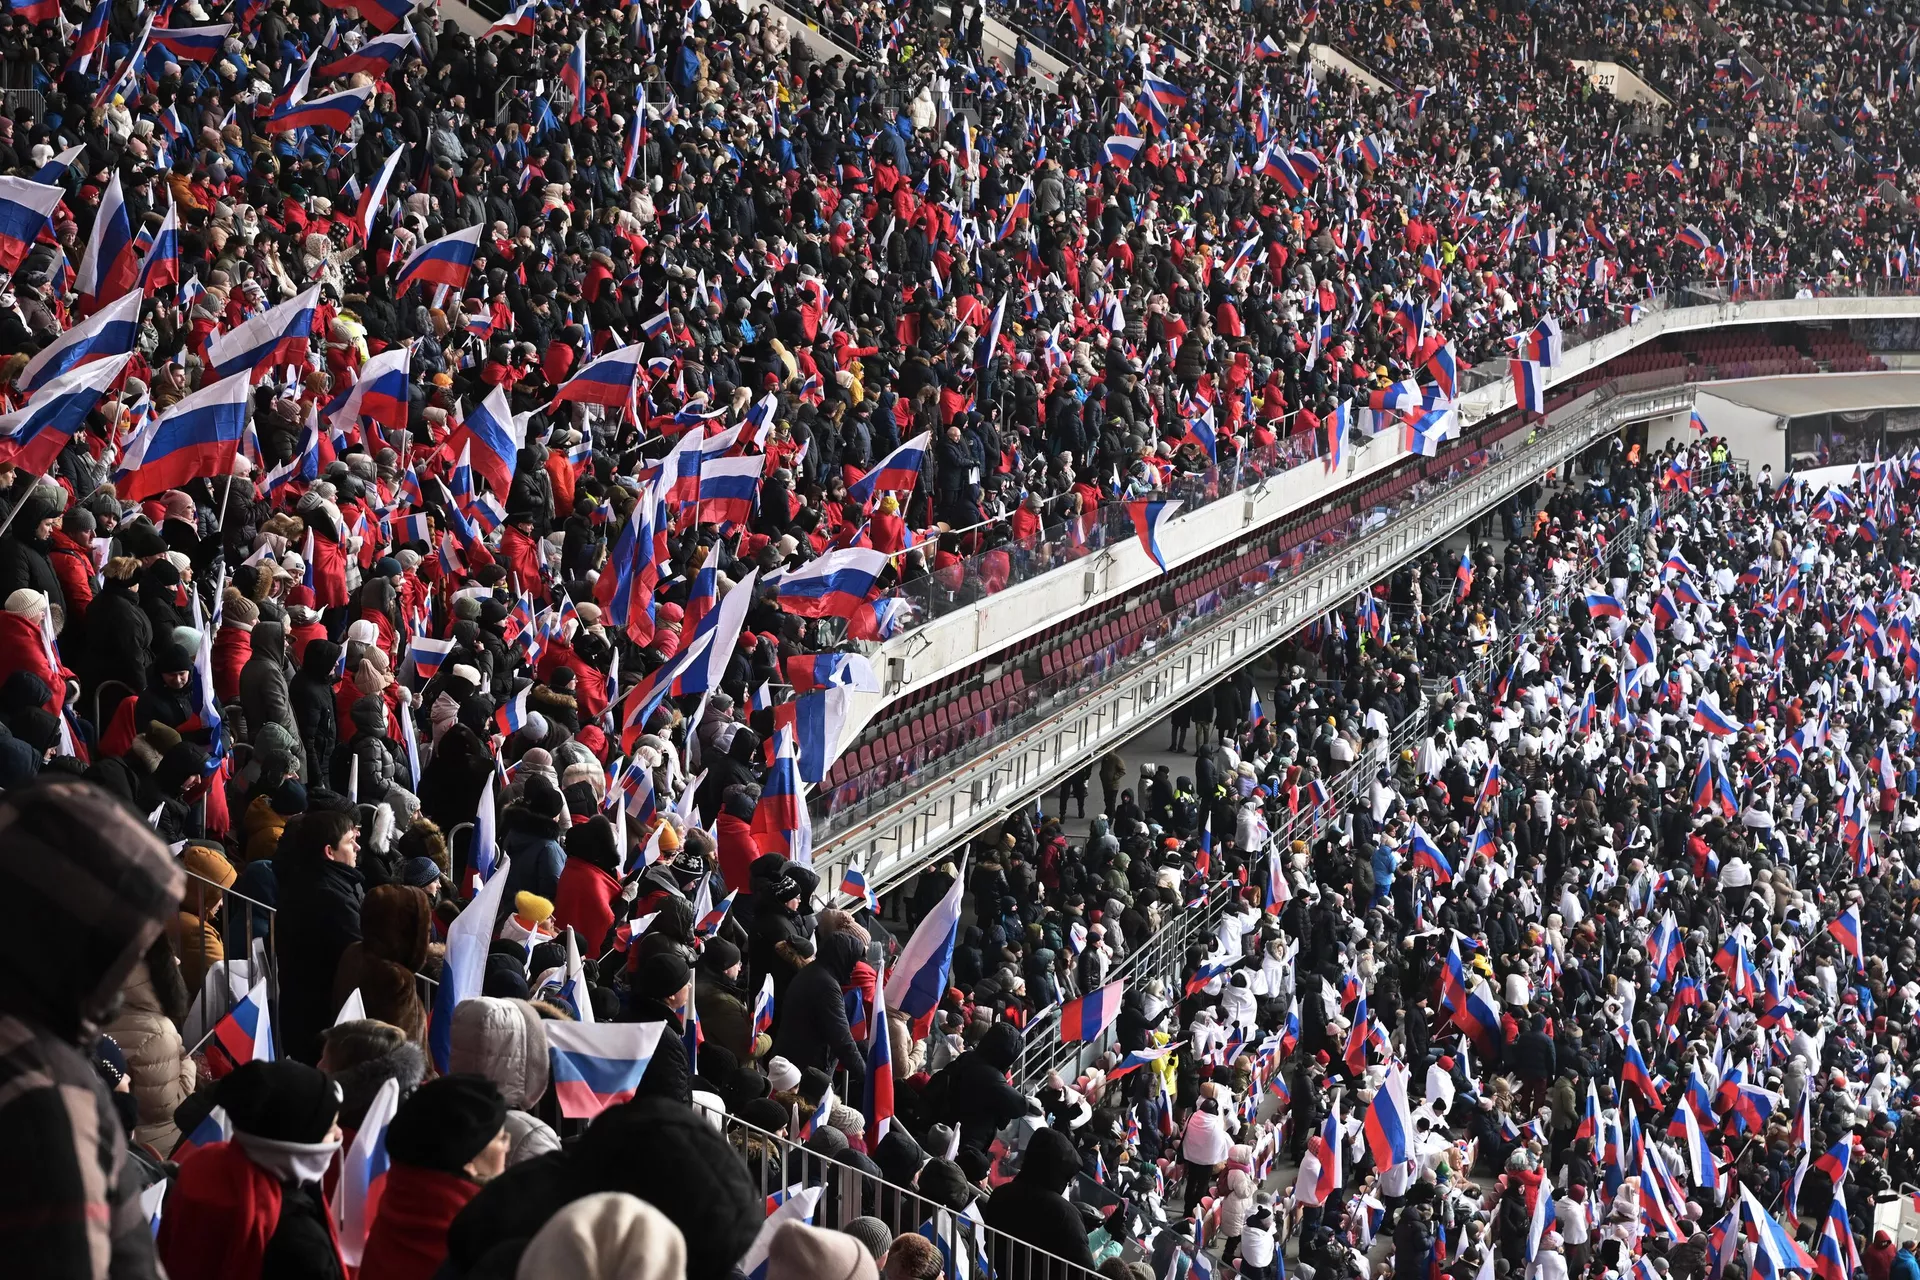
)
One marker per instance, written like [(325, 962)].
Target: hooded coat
[(163, 1074), (1034, 1209), (503, 1040), (813, 1029), (396, 924), (102, 890), (264, 694), (976, 1095)]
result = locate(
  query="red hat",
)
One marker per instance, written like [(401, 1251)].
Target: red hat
[(300, 597)]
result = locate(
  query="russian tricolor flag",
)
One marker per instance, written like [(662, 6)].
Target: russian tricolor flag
[(373, 57), (781, 823), (192, 44), (427, 653), (274, 337), (246, 1034), (363, 1172), (918, 980), (497, 437), (31, 438), (26, 209), (512, 714), (463, 974), (834, 585), (161, 265), (381, 15), (518, 21), (1122, 150), (898, 472), (573, 74), (1846, 931), (1602, 605), (108, 265), (1086, 1018), (597, 1065), (199, 436), (1529, 386), (608, 381), (1149, 518), (380, 394), (1427, 854), (336, 111), (763, 1008), (1708, 716), (109, 331), (445, 261)]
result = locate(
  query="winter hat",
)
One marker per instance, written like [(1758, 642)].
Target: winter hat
[(783, 1075), (607, 1236), (719, 955), (669, 1155), (543, 798), (28, 603), (872, 1233), (765, 1113), (282, 1101), (662, 976), (446, 1123), (800, 1252)]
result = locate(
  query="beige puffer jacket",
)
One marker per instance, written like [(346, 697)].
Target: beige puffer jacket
[(163, 1074), (503, 1040)]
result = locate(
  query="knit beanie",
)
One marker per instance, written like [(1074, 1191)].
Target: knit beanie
[(800, 1252), (282, 1101), (607, 1236), (447, 1122)]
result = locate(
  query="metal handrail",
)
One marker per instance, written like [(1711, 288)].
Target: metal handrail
[(778, 1166)]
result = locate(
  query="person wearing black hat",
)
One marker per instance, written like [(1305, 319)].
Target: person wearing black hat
[(661, 987), (448, 1139), (725, 1005), (254, 1207), (1033, 1207), (813, 1029)]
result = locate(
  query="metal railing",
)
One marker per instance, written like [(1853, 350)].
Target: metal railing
[(901, 832), (1162, 955), (246, 926), (780, 1168)]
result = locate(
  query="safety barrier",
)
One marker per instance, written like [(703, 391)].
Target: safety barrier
[(898, 833), (247, 942), (970, 1249), (1164, 954)]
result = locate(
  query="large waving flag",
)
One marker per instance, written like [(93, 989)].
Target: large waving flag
[(497, 439), (192, 44), (1149, 518), (336, 111), (1708, 716), (107, 267), (918, 981), (832, 586), (1320, 1174), (1389, 1122), (380, 394), (1529, 387), (373, 57), (274, 337), (363, 1173), (372, 199), (781, 823), (730, 489), (597, 1065), (465, 970), (797, 1207), (898, 472), (109, 331), (810, 672), (197, 437), (817, 722), (445, 261), (1091, 1014), (381, 15), (32, 438), (608, 381), (161, 265), (517, 21), (1846, 931)]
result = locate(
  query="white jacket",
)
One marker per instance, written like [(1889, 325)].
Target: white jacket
[(1205, 1141)]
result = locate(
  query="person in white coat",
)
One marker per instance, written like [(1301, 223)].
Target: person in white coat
[(1204, 1145)]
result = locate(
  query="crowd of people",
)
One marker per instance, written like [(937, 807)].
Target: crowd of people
[(466, 683)]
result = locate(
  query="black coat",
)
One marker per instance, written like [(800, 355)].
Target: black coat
[(310, 694), (301, 1247), (813, 1028), (319, 917), (119, 640), (1034, 1209), (668, 1073), (973, 1092)]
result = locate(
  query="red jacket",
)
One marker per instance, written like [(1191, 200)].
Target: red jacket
[(74, 567), (22, 650), (522, 561), (232, 646), (584, 900), (737, 850), (329, 572), (409, 1236)]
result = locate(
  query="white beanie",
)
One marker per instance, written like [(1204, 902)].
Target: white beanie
[(28, 604), (783, 1075)]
